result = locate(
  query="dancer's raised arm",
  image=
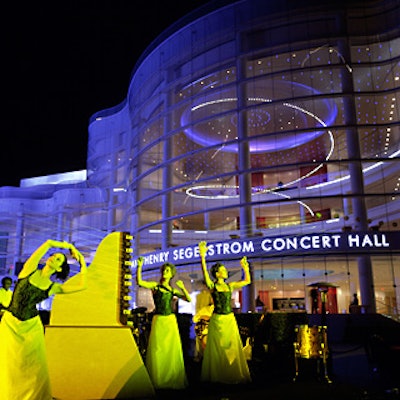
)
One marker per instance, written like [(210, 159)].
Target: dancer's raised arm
[(139, 280), (203, 252), (246, 279)]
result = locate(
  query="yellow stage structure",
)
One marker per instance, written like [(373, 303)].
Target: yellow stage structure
[(91, 351)]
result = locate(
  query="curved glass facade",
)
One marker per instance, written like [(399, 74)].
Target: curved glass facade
[(253, 121), (251, 124)]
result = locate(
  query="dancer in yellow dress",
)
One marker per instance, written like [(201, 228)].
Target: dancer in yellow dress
[(164, 356), (224, 360), (23, 373)]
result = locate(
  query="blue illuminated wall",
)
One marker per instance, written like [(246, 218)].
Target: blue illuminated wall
[(252, 119)]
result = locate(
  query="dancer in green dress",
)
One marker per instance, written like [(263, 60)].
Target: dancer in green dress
[(224, 360), (24, 373), (164, 356)]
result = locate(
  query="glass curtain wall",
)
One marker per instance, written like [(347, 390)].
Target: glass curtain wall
[(272, 125)]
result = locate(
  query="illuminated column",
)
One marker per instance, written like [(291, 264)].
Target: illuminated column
[(60, 225), (246, 224), (19, 234), (207, 221), (135, 190), (367, 290), (167, 206), (302, 214), (134, 220), (112, 183), (346, 206), (70, 228)]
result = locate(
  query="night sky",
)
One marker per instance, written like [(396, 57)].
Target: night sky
[(61, 62)]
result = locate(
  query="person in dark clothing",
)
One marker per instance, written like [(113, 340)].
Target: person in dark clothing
[(5, 294), (314, 300), (353, 308)]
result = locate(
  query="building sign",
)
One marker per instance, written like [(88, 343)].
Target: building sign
[(299, 245)]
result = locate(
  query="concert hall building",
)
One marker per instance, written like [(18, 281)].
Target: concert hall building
[(269, 129)]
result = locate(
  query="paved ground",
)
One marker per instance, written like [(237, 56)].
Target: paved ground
[(281, 391), (353, 377), (363, 364), (357, 382)]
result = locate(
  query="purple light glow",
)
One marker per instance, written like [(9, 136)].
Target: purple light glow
[(289, 118)]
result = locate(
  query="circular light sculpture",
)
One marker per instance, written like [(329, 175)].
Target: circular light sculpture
[(212, 118)]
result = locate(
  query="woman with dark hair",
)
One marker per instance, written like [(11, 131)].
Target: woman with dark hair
[(224, 360), (23, 373), (164, 356)]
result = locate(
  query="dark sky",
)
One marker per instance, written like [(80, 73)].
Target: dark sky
[(61, 62)]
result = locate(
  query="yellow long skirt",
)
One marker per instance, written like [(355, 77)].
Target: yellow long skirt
[(164, 356), (23, 365), (224, 360)]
